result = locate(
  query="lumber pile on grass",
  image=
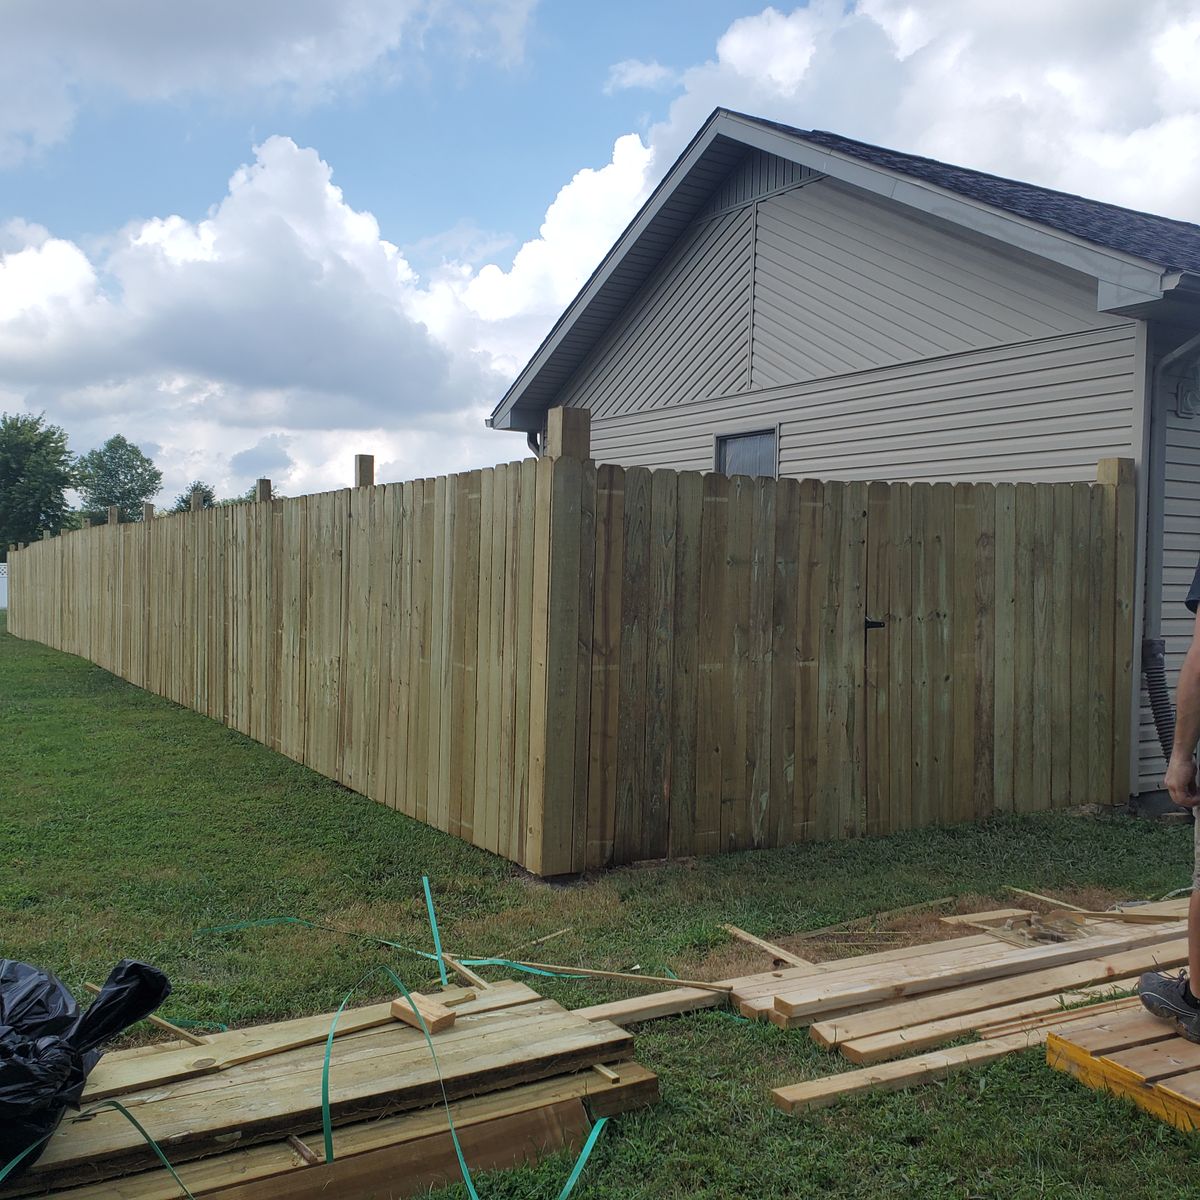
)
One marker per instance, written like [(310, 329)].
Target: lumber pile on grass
[(879, 1008), (241, 1117)]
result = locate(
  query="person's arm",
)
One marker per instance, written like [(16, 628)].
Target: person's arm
[(1180, 779)]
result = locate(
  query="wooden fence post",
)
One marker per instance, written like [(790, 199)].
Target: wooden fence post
[(262, 491), (114, 515), (87, 522), (364, 470), (568, 433), (147, 511), (1116, 475), (197, 500)]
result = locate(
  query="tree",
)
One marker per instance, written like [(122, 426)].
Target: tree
[(117, 473), (208, 498), (35, 472)]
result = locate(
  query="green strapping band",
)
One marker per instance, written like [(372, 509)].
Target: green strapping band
[(437, 939), (114, 1104), (326, 1118)]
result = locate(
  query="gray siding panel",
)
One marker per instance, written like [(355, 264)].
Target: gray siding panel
[(756, 175), (685, 335), (1181, 550), (1045, 409), (844, 282)]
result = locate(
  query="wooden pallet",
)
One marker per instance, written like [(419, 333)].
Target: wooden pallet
[(1134, 1055), (523, 1075)]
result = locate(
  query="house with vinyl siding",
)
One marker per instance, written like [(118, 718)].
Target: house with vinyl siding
[(792, 302)]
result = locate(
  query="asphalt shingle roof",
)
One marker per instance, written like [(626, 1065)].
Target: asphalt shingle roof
[(1172, 245)]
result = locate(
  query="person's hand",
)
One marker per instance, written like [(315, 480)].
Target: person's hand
[(1180, 782)]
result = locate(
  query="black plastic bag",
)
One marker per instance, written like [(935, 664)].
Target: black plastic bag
[(48, 1047)]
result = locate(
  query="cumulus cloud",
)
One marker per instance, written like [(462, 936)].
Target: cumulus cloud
[(54, 54), (286, 331), (634, 73)]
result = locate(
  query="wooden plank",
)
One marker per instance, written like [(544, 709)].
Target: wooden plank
[(629, 825), (423, 1012), (899, 626), (759, 715), (386, 1146), (484, 767), (1060, 654), (924, 611), (734, 702), (1083, 616), (685, 665), (562, 669), (908, 1072), (1101, 649), (492, 764), (1044, 980), (648, 1008), (964, 572), (983, 761), (883, 1046), (834, 715), (879, 571), (1123, 515), (534, 852), (522, 703), (122, 1072), (784, 666), (776, 952), (1043, 646), (711, 676), (811, 554), (939, 544), (509, 834), (1025, 786), (464, 639), (374, 1072), (660, 635), (606, 665), (904, 980)]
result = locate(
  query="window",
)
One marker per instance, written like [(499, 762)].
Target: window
[(748, 453)]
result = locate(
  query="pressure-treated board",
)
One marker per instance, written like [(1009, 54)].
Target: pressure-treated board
[(1028, 985), (807, 999), (387, 1069), (403, 1155), (574, 666), (1135, 1055)]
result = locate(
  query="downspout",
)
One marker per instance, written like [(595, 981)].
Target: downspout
[(534, 443), (1153, 643)]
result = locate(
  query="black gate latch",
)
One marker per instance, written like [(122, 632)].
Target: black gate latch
[(869, 624)]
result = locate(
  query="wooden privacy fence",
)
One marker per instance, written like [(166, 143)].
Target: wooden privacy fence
[(575, 665)]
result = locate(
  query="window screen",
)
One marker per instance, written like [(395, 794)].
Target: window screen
[(748, 453)]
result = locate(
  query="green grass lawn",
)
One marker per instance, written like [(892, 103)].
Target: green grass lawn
[(128, 825)]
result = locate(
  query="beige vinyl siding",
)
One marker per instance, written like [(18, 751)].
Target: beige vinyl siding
[(685, 335), (1046, 409), (843, 282), (1181, 550)]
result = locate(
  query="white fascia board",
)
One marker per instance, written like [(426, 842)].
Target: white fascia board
[(1125, 272), (661, 194)]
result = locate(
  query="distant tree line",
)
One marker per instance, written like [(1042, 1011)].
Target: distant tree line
[(37, 469)]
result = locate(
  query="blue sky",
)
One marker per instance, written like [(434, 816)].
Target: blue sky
[(259, 238), (481, 143)]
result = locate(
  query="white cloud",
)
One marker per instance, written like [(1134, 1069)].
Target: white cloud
[(55, 54), (633, 73), (286, 329)]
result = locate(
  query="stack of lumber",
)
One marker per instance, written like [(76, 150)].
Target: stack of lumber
[(881, 1007), (1132, 1054), (241, 1116)]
